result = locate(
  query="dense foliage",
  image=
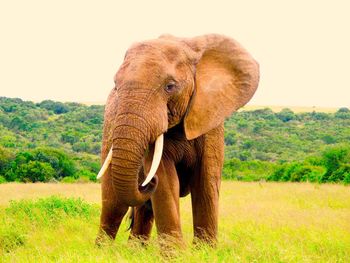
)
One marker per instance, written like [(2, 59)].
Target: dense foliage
[(50, 141)]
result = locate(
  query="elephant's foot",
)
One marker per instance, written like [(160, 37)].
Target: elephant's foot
[(103, 238), (204, 236), (171, 245), (111, 217)]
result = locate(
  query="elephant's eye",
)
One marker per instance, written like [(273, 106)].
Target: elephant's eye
[(171, 86)]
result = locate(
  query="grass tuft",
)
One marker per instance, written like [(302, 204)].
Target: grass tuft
[(47, 211)]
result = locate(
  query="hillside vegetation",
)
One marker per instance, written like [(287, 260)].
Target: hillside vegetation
[(50, 141)]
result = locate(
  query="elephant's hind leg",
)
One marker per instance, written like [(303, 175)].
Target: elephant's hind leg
[(142, 221)]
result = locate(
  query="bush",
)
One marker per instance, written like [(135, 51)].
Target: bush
[(303, 173), (88, 175), (55, 106), (2, 179), (69, 179), (35, 171), (286, 115), (347, 178), (297, 172), (230, 137), (40, 165), (60, 161), (343, 113), (342, 174), (333, 159), (247, 170), (6, 157)]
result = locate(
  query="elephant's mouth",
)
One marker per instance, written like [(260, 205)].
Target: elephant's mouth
[(150, 179)]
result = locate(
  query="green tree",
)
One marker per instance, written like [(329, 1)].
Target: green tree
[(343, 113), (333, 159), (35, 171), (6, 157), (58, 160), (56, 107), (286, 115)]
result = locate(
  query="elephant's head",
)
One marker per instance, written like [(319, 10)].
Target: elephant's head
[(167, 82)]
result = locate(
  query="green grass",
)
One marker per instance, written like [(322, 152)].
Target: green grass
[(259, 222)]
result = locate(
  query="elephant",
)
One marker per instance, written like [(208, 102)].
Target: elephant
[(163, 133)]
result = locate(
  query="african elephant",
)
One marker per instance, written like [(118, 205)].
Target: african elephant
[(164, 118)]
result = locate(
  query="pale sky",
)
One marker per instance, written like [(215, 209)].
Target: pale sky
[(69, 50)]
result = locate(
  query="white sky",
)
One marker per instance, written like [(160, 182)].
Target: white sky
[(69, 50)]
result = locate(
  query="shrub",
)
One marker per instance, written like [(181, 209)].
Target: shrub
[(59, 160), (347, 178), (303, 173), (286, 115), (2, 179), (297, 172), (55, 106), (68, 179), (277, 174), (343, 113), (341, 174), (333, 159), (35, 171), (230, 137), (88, 175), (6, 157), (247, 170)]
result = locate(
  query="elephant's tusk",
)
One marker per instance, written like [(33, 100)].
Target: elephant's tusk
[(105, 164), (158, 150)]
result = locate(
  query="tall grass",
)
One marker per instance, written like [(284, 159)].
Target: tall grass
[(259, 222)]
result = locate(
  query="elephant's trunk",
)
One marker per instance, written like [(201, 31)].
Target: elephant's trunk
[(131, 139)]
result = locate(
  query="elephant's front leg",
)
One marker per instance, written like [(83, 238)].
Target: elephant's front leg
[(165, 202), (112, 211), (205, 187)]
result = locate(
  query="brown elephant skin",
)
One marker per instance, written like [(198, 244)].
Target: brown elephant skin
[(183, 88)]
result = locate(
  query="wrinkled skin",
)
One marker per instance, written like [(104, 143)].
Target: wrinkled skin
[(184, 89)]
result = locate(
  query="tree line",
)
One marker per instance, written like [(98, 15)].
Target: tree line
[(55, 141)]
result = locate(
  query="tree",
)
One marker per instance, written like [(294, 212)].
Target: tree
[(333, 159), (35, 171), (286, 115), (230, 137), (343, 113), (56, 107), (58, 160), (6, 157)]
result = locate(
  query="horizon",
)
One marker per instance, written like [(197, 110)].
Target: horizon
[(70, 51), (248, 107)]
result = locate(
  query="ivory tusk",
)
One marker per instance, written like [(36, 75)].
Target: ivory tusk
[(157, 156), (105, 164)]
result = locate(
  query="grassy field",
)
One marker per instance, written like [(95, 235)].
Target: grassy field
[(259, 222)]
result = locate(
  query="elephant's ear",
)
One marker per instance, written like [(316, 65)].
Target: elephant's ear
[(226, 78)]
